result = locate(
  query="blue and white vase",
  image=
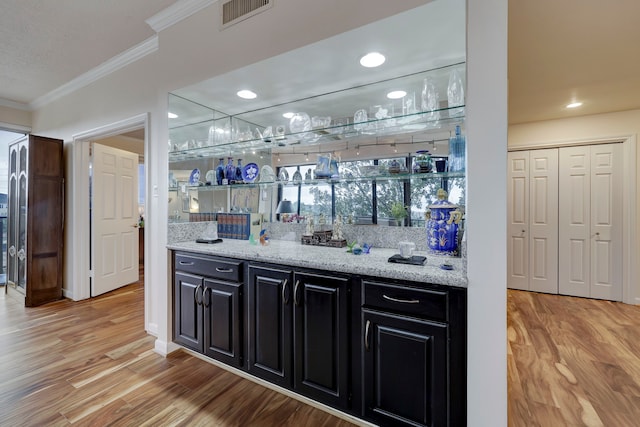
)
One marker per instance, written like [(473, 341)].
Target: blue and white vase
[(443, 224)]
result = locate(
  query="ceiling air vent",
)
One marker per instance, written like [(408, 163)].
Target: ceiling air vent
[(234, 11)]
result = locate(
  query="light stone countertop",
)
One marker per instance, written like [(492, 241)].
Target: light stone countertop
[(374, 264)]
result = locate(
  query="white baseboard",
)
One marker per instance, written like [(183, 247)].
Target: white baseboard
[(164, 348), (153, 329)]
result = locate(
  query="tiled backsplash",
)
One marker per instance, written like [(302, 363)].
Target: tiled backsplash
[(377, 235)]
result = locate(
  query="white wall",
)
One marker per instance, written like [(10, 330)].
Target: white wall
[(194, 49), (624, 124), (486, 214)]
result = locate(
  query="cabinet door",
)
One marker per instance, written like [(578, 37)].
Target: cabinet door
[(222, 326), (188, 311), (270, 301), (405, 370), (321, 338)]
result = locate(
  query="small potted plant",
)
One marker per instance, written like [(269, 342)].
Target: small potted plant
[(399, 212)]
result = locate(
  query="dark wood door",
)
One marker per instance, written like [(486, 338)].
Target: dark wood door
[(35, 217), (321, 338), (222, 321), (188, 317), (405, 370), (270, 329)]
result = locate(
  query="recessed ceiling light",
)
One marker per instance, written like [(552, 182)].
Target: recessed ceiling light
[(288, 115), (246, 94), (396, 94), (172, 115), (372, 59), (574, 105)]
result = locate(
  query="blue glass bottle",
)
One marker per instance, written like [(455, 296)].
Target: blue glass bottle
[(220, 171), (230, 171), (457, 152), (238, 176)]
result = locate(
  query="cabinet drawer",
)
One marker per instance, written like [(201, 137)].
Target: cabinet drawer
[(216, 268), (425, 303)]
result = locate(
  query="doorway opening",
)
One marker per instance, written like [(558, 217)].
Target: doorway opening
[(116, 211), (79, 263)]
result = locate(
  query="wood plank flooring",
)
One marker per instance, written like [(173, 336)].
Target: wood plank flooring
[(90, 363), (572, 361)]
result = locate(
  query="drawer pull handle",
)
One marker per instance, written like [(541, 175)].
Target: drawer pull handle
[(206, 301), (366, 335), (195, 295), (295, 293), (187, 263), (224, 270), (285, 294), (406, 301)]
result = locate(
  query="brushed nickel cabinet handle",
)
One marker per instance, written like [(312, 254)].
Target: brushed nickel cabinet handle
[(207, 302), (405, 301), (366, 335), (195, 295), (187, 263), (285, 296), (224, 270), (295, 293)]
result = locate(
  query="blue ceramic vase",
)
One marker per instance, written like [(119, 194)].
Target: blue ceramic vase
[(443, 223)]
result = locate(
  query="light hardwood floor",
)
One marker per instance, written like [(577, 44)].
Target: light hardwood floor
[(572, 361), (90, 363)]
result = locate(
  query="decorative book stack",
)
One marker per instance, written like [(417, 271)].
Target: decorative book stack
[(239, 225)]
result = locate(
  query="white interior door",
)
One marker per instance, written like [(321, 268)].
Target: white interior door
[(606, 222), (518, 220), (543, 220), (590, 216), (533, 220), (575, 219), (114, 219)]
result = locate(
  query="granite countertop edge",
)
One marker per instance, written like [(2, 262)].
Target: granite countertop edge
[(374, 264)]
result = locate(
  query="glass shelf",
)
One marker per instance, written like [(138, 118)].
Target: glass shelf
[(202, 132), (311, 182), (407, 125)]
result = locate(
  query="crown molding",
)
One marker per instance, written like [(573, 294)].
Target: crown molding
[(176, 12), (15, 128), (117, 62), (13, 104)]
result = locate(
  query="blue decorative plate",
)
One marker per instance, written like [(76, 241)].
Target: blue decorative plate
[(250, 172), (194, 178)]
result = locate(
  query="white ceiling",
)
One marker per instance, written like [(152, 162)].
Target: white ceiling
[(561, 50), (47, 43), (558, 51)]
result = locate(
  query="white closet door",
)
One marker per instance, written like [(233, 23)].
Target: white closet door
[(575, 218), (606, 222), (543, 220), (518, 220), (590, 241)]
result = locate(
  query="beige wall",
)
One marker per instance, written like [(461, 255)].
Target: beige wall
[(125, 143), (598, 127), (12, 117)]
